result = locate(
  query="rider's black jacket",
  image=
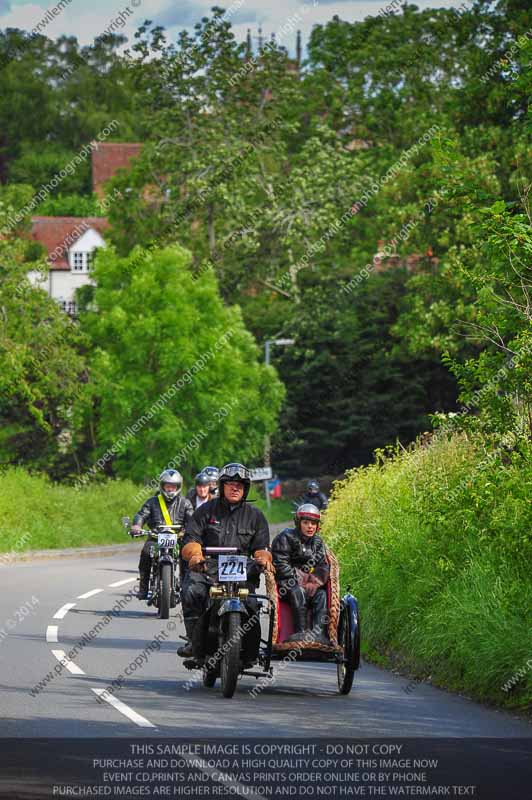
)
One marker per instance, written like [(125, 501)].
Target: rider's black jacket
[(217, 524), (180, 511), (290, 549), (319, 500)]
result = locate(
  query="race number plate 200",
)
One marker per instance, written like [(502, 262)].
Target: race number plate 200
[(167, 539), (232, 568)]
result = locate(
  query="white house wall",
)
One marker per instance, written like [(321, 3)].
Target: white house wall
[(36, 278), (87, 242), (64, 283)]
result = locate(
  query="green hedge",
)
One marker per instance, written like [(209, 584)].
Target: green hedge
[(38, 515), (436, 543)]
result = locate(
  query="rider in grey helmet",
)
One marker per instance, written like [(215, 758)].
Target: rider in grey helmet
[(202, 484), (214, 474), (167, 505)]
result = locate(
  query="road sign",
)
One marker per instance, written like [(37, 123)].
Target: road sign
[(261, 474)]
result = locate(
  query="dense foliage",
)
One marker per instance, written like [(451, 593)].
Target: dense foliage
[(405, 136)]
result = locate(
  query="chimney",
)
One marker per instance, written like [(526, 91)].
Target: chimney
[(298, 49), (260, 38), (248, 44)]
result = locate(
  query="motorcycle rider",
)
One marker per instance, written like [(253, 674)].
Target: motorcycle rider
[(212, 473), (301, 572), (225, 521), (167, 507), (201, 495), (314, 496)]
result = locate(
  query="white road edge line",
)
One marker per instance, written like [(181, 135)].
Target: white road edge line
[(69, 665), (63, 611), (51, 633), (122, 583), (88, 594), (126, 710)]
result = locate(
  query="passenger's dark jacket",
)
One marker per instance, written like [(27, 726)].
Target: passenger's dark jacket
[(180, 511), (319, 500), (291, 550), (215, 524)]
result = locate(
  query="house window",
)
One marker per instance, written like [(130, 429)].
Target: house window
[(78, 262), (82, 262), (69, 307)]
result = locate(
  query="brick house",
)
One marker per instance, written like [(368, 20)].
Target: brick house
[(107, 159), (70, 242)]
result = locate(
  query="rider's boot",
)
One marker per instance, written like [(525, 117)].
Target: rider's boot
[(319, 631), (185, 651), (144, 583), (300, 623)]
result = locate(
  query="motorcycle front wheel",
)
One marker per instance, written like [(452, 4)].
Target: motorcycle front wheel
[(165, 587), (231, 644)]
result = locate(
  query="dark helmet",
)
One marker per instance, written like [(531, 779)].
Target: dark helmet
[(170, 476), (212, 472), (313, 487), (201, 479), (235, 472), (307, 511)]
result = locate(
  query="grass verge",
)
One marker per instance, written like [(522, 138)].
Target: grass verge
[(436, 543)]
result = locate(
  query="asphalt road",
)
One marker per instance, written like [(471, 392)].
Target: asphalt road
[(64, 599)]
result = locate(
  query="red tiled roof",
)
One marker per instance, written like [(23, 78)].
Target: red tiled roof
[(58, 234), (107, 158)]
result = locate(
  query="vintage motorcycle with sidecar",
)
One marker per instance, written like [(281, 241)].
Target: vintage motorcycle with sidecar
[(227, 640)]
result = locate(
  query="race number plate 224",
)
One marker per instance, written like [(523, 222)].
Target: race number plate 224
[(232, 568)]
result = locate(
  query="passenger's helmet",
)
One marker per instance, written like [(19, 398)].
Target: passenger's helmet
[(307, 511), (235, 472), (313, 487), (170, 476), (202, 479)]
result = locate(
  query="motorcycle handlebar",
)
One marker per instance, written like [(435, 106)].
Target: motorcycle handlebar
[(148, 531)]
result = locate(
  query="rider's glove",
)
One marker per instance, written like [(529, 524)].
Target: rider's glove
[(193, 555), (312, 584), (136, 530), (196, 564), (264, 559)]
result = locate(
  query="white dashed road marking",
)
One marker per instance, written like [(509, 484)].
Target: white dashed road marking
[(122, 583), (51, 633), (88, 594), (63, 611), (69, 665), (125, 710)]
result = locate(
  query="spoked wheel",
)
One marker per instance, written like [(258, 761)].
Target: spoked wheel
[(349, 641), (230, 644), (165, 591)]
